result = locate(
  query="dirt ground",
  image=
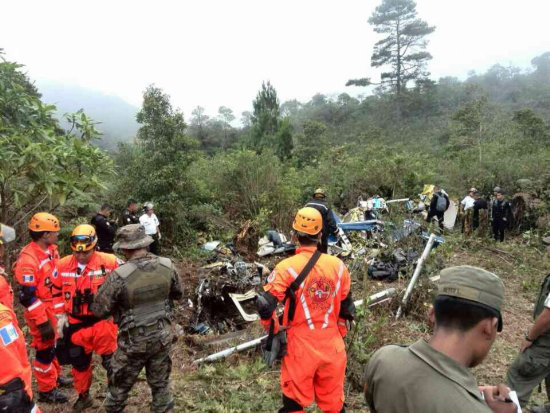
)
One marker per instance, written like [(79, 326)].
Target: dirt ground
[(243, 384)]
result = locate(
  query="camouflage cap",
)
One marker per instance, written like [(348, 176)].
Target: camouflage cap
[(132, 237), (474, 284)]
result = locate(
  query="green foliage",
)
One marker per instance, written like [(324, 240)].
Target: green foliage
[(531, 126), (311, 143), (265, 118), (41, 165), (283, 140), (245, 185), (268, 129), (228, 388), (470, 119), (154, 168)]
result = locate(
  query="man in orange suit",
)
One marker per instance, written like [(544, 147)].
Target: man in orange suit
[(35, 270), (80, 276), (15, 369), (315, 289)]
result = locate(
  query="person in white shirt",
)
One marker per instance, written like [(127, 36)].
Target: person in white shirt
[(466, 210), (468, 201), (152, 227)]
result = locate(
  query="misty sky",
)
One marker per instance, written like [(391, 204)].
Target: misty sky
[(217, 52)]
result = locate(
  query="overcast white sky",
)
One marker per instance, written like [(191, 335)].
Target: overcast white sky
[(217, 52)]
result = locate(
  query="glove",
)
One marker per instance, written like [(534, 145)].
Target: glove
[(46, 331), (62, 322), (278, 349)]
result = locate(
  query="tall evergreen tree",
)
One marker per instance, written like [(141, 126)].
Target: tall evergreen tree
[(403, 48), (265, 118)]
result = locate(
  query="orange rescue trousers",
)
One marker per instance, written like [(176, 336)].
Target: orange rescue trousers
[(45, 365), (314, 369), (100, 338)]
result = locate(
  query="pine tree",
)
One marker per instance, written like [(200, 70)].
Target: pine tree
[(265, 118), (403, 48)]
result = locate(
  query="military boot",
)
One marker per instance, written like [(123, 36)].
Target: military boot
[(64, 381), (541, 409), (52, 396), (83, 402)]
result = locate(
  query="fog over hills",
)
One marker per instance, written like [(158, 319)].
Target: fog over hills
[(117, 117)]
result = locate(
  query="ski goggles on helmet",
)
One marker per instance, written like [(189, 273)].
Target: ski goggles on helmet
[(82, 243)]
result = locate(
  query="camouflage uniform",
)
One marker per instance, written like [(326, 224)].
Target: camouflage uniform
[(140, 294), (467, 222), (483, 224), (533, 365)]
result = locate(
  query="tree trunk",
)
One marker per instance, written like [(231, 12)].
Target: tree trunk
[(479, 142), (398, 71)]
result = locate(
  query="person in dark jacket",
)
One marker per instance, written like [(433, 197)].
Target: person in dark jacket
[(105, 229), (438, 205), (329, 224), (130, 215), (501, 215), (480, 208)]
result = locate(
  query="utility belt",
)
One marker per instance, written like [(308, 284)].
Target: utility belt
[(136, 333), (66, 351), (14, 398)]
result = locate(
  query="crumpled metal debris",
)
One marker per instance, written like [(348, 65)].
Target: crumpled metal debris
[(275, 243), (215, 310)]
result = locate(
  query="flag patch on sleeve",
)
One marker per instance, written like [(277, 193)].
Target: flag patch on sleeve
[(28, 278), (8, 334)]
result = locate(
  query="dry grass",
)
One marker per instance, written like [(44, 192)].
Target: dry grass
[(243, 384)]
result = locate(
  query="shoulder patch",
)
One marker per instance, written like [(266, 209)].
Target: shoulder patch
[(28, 278), (166, 262), (125, 270), (8, 334)]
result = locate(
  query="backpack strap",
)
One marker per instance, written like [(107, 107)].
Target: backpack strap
[(290, 293)]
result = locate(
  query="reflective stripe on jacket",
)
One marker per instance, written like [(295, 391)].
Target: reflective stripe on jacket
[(37, 268), (71, 279), (318, 298)]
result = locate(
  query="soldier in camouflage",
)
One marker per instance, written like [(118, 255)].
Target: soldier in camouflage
[(139, 294), (532, 365)]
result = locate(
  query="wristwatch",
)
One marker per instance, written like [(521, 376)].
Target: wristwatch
[(527, 336)]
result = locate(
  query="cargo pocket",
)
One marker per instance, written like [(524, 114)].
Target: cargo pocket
[(532, 365)]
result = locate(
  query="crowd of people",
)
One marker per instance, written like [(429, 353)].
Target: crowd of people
[(475, 213), (84, 303), (91, 301), (106, 227)]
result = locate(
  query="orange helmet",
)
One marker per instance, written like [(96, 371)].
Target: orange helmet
[(83, 238), (309, 221), (44, 222)]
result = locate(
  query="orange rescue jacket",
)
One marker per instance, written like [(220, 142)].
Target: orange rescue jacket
[(37, 269), (6, 292), (13, 352), (73, 281), (319, 296)]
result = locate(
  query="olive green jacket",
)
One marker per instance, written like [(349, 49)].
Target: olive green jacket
[(420, 379)]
